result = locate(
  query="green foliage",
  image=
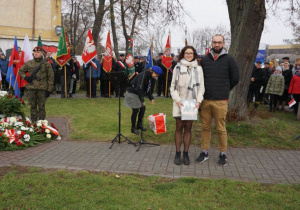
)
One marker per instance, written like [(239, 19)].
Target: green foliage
[(11, 105), (37, 189)]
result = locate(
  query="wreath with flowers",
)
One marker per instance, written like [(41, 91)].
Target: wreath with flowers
[(16, 130)]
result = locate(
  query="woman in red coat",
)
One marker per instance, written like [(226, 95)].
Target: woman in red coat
[(295, 87)]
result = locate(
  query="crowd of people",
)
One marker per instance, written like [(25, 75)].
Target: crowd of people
[(275, 84), (206, 79)]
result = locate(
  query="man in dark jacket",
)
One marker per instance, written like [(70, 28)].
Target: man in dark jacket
[(3, 67), (161, 81), (221, 74), (257, 81)]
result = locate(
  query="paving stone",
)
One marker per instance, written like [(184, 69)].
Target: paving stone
[(246, 164)]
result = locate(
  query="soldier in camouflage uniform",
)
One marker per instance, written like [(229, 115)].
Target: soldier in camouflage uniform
[(38, 90)]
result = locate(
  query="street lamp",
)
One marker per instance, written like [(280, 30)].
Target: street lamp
[(58, 30)]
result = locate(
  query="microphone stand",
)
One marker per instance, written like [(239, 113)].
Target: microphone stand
[(142, 141)]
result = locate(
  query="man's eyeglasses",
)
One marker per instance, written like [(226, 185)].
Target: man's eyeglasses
[(219, 43)]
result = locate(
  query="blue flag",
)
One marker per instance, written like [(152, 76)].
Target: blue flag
[(12, 76), (149, 59)]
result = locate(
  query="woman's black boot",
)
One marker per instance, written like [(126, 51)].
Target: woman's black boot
[(186, 159), (177, 160), (135, 131)]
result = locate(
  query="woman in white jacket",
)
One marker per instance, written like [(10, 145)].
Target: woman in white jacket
[(187, 83)]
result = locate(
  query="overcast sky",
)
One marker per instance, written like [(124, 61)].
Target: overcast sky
[(214, 12)]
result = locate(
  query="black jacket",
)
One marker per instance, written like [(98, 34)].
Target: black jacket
[(140, 84), (259, 76), (220, 75), (268, 73)]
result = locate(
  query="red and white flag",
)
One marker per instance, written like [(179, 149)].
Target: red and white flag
[(292, 102), (107, 61), (167, 58), (89, 51)]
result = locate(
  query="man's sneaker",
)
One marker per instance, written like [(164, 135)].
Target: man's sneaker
[(202, 157), (223, 160)]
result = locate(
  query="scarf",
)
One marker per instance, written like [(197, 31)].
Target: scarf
[(187, 70)]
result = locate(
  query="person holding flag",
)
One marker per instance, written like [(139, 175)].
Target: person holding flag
[(92, 72), (39, 87), (91, 67)]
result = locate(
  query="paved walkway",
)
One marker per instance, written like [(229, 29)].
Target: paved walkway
[(248, 164)]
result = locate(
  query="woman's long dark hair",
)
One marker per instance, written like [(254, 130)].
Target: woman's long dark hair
[(181, 55)]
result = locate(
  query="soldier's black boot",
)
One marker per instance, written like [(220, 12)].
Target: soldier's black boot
[(177, 160), (186, 159), (139, 126), (135, 131)]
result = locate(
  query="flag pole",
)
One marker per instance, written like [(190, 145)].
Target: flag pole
[(166, 88), (9, 81), (16, 78), (65, 69), (90, 82), (109, 89)]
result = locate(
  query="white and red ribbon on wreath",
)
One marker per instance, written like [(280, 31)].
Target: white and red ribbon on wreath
[(12, 135), (54, 131)]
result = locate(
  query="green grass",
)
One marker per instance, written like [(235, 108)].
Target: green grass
[(35, 188), (97, 120)]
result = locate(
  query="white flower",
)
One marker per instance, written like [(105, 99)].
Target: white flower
[(38, 124), (19, 132), (12, 119), (26, 137), (47, 131), (31, 130), (45, 122), (3, 93), (23, 128), (5, 124), (19, 124), (48, 136)]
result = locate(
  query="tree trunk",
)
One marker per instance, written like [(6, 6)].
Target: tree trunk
[(247, 23), (98, 21), (113, 28)]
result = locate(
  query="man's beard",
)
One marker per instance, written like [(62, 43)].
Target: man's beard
[(218, 50)]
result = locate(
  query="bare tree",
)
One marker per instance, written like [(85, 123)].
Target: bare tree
[(200, 38), (76, 21)]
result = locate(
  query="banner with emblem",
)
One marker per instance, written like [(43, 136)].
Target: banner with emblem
[(63, 52), (89, 50), (167, 58), (129, 61), (107, 61)]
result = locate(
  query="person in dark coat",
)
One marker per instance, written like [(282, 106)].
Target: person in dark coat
[(221, 74), (3, 67), (138, 65), (256, 81), (161, 81), (69, 71), (287, 74), (170, 75), (104, 86), (134, 97)]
